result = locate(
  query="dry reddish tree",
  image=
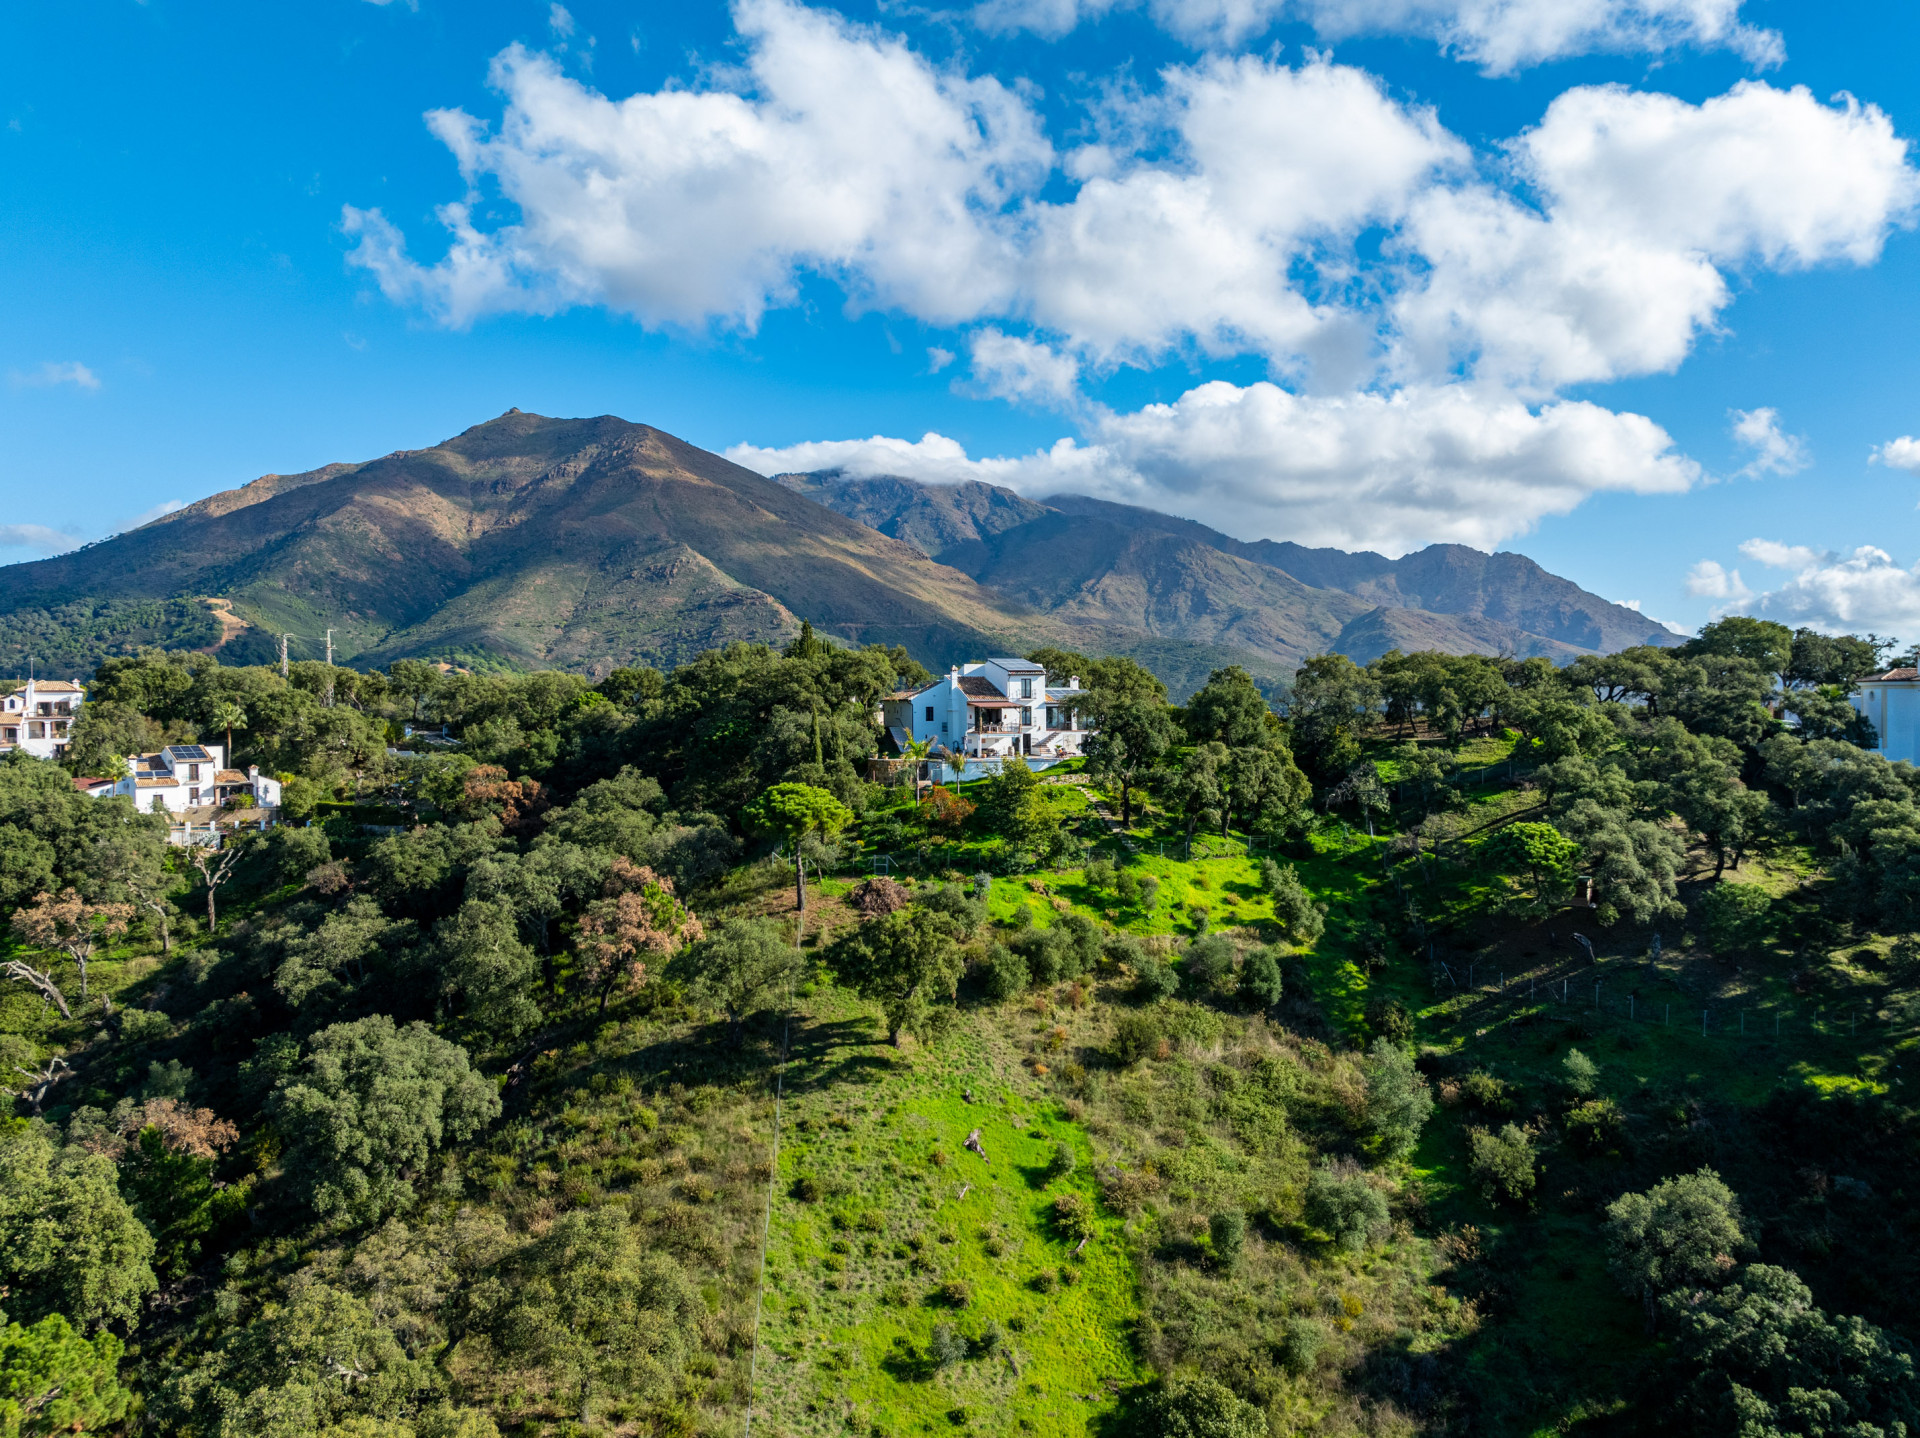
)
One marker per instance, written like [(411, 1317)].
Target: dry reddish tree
[(67, 925), (879, 895), (638, 920), (946, 808), (196, 1132), (517, 802)]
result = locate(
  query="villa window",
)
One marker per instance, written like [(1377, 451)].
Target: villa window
[(1026, 689), (929, 713), (943, 727), (193, 796)]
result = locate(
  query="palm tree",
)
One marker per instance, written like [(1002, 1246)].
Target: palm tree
[(230, 716), (915, 751)]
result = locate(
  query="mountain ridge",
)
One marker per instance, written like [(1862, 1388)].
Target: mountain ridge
[(596, 542), (1117, 563)]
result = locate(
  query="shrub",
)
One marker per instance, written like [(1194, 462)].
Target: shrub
[(1136, 1036), (1194, 1406), (806, 1188), (1099, 874), (946, 808), (1045, 1281), (1490, 1093), (1261, 984), (1073, 1216), (1149, 891), (1209, 969), (1062, 1162), (1126, 888), (1343, 1205), (1299, 918), (1597, 1126), (955, 1294), (991, 1340), (1388, 1019), (1003, 973), (1398, 1103), (1300, 1344), (1502, 1162), (945, 1347), (1228, 1231), (1732, 917), (1582, 1072), (1153, 978)]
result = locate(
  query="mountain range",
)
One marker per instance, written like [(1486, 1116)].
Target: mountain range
[(591, 543)]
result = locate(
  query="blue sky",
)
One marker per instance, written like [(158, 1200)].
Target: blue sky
[(1626, 285)]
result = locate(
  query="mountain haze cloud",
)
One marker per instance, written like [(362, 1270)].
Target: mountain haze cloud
[(1386, 472)]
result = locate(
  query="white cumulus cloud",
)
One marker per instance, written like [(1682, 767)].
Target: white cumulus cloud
[(1500, 36), (1774, 451), (1387, 472), (55, 372), (1709, 579), (855, 157), (1901, 453), (1853, 592), (1427, 305), (1644, 201), (1009, 367), (1230, 218)]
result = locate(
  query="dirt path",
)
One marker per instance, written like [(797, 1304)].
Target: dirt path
[(231, 624)]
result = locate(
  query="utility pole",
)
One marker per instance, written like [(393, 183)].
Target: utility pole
[(283, 654), (329, 649), (329, 700)]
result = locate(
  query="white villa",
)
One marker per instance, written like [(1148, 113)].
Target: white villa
[(982, 712), (1891, 702), (189, 780), (38, 719)]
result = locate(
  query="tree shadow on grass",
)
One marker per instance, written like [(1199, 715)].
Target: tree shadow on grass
[(823, 1054), (906, 1364)]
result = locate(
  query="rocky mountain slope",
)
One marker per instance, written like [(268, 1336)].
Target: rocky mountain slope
[(591, 543), (1090, 561), (583, 543)]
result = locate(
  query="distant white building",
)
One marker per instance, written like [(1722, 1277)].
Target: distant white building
[(190, 780), (1891, 703), (982, 712), (38, 719)]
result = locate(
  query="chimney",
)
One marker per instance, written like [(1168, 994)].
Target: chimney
[(1073, 681), (253, 771)]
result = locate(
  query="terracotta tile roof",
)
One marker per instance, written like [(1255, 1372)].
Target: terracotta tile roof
[(978, 686), (1892, 676), (229, 776), (164, 781)]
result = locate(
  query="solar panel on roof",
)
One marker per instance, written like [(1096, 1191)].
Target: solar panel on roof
[(192, 753)]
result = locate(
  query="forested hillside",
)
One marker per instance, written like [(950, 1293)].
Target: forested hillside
[(1477, 1047)]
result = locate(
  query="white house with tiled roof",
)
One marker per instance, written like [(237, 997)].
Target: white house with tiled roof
[(192, 779), (1891, 702), (982, 712), (37, 719)]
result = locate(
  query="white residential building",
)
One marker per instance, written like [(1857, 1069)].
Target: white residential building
[(1891, 702), (191, 780), (982, 712), (38, 719)]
